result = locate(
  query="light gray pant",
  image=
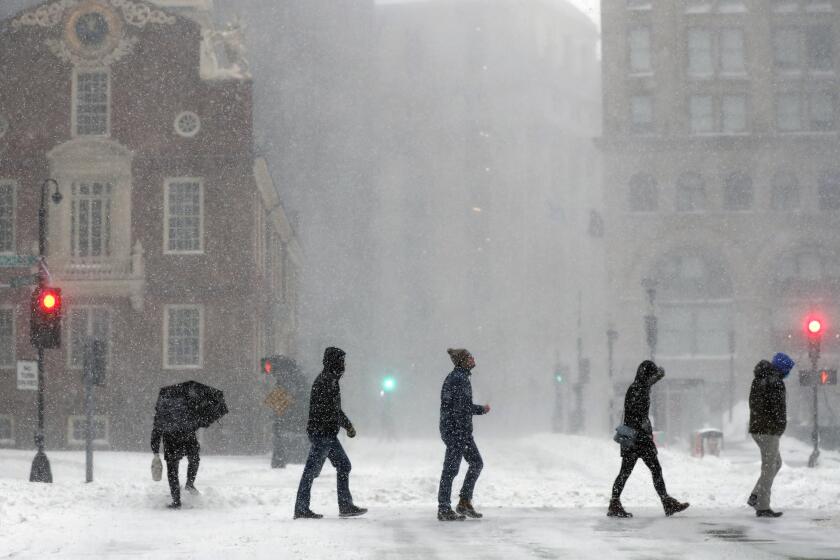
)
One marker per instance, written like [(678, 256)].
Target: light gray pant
[(771, 462)]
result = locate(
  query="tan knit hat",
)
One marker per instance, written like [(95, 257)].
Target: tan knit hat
[(459, 356)]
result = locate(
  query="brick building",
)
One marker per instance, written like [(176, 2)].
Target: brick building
[(171, 242)]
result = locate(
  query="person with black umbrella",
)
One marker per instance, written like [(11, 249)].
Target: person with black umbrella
[(180, 411), (325, 420)]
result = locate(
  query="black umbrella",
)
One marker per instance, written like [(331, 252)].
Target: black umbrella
[(187, 406)]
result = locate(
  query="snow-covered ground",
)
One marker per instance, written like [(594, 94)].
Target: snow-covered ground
[(544, 496)]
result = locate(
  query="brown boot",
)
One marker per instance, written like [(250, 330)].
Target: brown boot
[(466, 508), (617, 510)]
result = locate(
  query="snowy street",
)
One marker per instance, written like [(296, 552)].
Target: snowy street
[(539, 499)]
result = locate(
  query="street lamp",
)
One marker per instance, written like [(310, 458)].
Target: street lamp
[(41, 471), (612, 337), (651, 332)]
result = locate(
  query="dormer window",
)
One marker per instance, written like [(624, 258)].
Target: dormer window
[(91, 103)]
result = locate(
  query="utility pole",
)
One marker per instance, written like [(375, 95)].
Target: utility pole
[(652, 336), (731, 373), (612, 337), (41, 471), (814, 333)]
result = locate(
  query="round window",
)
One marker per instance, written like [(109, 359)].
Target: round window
[(4, 126), (187, 124)]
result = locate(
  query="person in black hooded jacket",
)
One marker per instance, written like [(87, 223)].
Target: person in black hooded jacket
[(325, 420), (637, 417)]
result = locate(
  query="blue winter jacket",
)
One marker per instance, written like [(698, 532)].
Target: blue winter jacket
[(456, 406)]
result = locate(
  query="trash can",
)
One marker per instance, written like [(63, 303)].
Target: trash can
[(706, 441)]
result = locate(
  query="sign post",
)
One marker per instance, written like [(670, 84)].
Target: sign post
[(27, 375)]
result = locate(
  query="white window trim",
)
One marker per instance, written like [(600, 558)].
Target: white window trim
[(11, 419), (14, 184), (69, 331), (166, 184), (75, 99), (13, 363), (81, 418), (166, 310)]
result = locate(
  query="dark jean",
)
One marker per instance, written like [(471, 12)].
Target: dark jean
[(173, 454), (458, 448), (647, 453), (324, 448)]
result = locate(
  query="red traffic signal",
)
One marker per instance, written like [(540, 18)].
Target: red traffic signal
[(827, 377), (810, 378), (45, 323), (266, 366), (814, 326)]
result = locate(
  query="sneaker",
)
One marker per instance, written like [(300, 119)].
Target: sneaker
[(768, 513), (672, 506), (174, 505), (192, 489), (449, 515), (466, 509), (307, 514), (617, 510), (351, 511), (752, 501)]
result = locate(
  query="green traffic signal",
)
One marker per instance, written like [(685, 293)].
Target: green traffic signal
[(389, 384)]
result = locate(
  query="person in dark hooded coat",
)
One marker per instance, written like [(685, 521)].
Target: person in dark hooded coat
[(637, 417), (325, 419), (176, 446), (768, 420)]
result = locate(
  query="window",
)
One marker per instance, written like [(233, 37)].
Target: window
[(643, 195), (184, 216), (732, 51), (87, 323), (785, 192), (91, 103), (7, 217), (701, 116), (7, 337), (734, 114), (819, 48), (640, 58), (77, 429), (7, 429), (788, 112), (738, 192), (786, 48), (691, 193), (641, 114), (183, 336), (91, 219), (639, 4), (821, 113), (830, 191), (700, 52), (708, 6)]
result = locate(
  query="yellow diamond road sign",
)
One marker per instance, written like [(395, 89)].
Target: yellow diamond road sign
[(279, 401)]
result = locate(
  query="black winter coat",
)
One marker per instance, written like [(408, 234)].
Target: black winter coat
[(456, 406), (637, 408), (325, 414), (175, 444), (768, 401)]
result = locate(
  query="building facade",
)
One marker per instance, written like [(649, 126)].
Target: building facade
[(722, 190), (487, 181), (170, 243)]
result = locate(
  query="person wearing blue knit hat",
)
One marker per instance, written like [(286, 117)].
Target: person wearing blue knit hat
[(768, 420)]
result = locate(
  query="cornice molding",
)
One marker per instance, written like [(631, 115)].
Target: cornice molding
[(137, 14)]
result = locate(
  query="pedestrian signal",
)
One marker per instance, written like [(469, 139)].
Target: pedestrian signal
[(810, 378)]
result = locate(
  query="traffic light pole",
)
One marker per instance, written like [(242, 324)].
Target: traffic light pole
[(41, 471), (814, 354)]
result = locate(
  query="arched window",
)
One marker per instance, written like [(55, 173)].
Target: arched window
[(643, 196), (737, 191), (830, 190), (785, 191), (694, 301), (691, 193)]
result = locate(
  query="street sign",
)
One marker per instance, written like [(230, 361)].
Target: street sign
[(27, 375), (279, 401), (18, 261), (21, 281)]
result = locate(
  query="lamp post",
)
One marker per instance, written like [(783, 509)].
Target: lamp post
[(651, 331), (612, 337), (41, 471)]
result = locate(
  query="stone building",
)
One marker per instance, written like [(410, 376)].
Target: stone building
[(722, 189), (171, 242)]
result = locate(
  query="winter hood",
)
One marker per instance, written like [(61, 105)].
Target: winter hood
[(765, 370), (332, 361), (649, 373)]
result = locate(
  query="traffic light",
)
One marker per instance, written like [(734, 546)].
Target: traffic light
[(389, 384), (277, 364), (809, 378), (45, 325), (814, 327), (266, 366)]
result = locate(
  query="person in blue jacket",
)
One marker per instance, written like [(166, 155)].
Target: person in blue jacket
[(456, 430)]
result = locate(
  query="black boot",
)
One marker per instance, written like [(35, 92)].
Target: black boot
[(351, 511), (672, 505), (768, 513), (466, 509), (449, 515), (174, 505), (617, 510), (307, 514), (752, 501), (192, 489)]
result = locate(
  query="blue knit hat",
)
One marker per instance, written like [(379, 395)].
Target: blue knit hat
[(783, 363)]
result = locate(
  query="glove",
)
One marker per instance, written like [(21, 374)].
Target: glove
[(157, 468), (351, 432)]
